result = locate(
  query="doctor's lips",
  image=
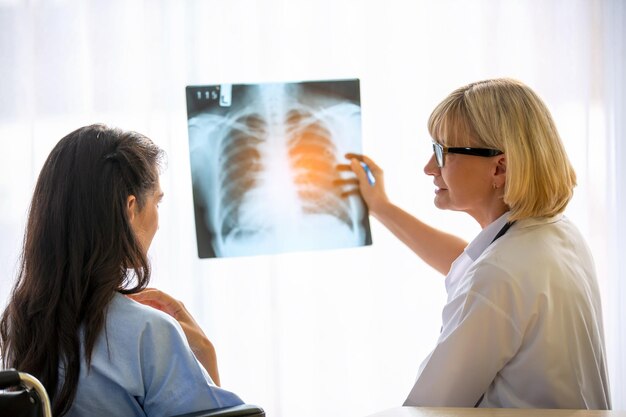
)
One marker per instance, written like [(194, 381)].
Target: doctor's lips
[(439, 188)]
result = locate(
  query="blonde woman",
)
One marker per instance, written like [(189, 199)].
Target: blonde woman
[(522, 326)]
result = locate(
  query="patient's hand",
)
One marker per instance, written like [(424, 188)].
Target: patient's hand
[(199, 343)]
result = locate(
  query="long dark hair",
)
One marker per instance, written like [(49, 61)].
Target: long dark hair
[(79, 249)]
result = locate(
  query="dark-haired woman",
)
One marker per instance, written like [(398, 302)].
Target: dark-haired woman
[(92, 218)]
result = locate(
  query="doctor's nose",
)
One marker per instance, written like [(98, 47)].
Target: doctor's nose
[(431, 167)]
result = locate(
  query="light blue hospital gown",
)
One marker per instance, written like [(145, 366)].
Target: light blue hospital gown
[(147, 369)]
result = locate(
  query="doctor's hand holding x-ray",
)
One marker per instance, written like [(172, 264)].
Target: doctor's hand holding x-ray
[(437, 248), (522, 325)]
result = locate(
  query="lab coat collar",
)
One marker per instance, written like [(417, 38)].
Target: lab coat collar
[(485, 237), (534, 221)]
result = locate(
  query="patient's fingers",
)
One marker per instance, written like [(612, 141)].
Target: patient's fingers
[(159, 300)]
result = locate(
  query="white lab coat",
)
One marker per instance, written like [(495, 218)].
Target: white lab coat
[(522, 326)]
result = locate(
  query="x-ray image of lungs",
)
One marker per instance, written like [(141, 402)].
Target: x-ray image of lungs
[(264, 167)]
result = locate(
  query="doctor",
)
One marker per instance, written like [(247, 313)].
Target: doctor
[(522, 326)]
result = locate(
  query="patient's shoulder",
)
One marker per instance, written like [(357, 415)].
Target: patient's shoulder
[(136, 317)]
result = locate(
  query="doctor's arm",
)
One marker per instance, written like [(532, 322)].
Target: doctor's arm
[(437, 248)]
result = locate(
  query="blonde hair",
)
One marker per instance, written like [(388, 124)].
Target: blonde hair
[(507, 115)]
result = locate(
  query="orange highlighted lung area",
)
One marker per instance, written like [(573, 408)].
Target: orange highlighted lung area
[(313, 160)]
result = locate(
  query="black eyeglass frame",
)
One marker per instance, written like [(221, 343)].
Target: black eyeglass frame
[(441, 151)]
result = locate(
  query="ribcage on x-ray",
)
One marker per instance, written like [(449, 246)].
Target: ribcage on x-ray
[(302, 143), (312, 155), (241, 165)]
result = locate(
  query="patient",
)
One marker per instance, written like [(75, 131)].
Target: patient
[(68, 322)]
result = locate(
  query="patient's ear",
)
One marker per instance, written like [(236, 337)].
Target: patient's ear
[(131, 207)]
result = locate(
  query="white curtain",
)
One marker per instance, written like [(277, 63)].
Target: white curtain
[(331, 332), (610, 216)]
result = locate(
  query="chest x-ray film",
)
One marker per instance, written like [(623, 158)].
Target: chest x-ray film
[(264, 167)]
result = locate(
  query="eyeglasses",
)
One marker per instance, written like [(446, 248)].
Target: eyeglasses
[(441, 150)]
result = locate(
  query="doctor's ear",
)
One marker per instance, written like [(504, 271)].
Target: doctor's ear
[(499, 173), (501, 165)]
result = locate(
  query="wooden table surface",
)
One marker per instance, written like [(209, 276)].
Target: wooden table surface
[(492, 412)]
